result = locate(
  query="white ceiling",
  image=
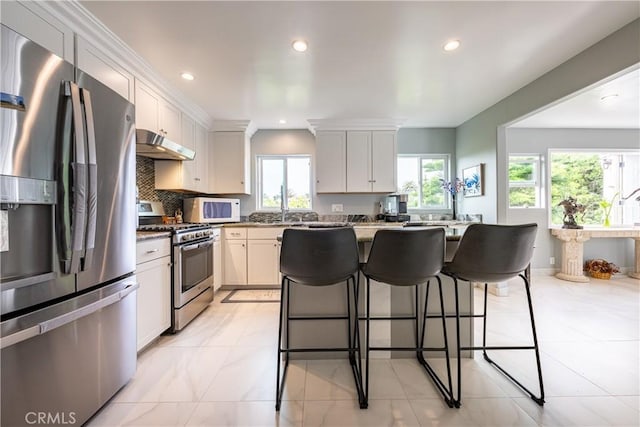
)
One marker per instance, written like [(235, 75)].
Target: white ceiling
[(620, 109), (373, 60)]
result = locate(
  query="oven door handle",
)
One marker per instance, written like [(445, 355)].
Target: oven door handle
[(196, 246)]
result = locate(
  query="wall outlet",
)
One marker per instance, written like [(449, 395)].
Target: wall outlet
[(337, 208), (552, 260)]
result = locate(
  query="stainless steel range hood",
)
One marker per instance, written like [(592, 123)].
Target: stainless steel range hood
[(150, 144)]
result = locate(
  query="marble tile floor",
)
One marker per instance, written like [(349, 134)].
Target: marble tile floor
[(220, 371)]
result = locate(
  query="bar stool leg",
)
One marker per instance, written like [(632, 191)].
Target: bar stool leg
[(365, 403), (280, 382), (445, 391), (458, 401)]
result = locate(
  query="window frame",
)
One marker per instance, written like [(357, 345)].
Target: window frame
[(259, 181), (538, 184), (600, 151), (446, 174)]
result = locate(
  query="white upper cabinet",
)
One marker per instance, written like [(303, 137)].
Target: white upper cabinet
[(95, 63), (371, 161), (32, 21), (170, 122), (157, 115), (229, 166), (383, 161), (186, 175), (331, 152)]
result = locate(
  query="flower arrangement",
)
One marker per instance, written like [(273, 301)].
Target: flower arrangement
[(452, 187), (606, 208), (600, 268)]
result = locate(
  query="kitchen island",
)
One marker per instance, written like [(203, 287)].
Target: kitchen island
[(385, 301)]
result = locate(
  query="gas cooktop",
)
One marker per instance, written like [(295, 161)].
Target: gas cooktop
[(172, 227)]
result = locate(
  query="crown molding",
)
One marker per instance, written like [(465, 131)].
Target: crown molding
[(245, 126), (354, 124), (87, 26)]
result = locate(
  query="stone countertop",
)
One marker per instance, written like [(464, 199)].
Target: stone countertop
[(320, 224), (365, 234), (148, 235)]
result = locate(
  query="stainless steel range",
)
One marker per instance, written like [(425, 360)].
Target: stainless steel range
[(192, 269)]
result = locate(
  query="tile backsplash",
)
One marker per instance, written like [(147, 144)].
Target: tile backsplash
[(145, 180)]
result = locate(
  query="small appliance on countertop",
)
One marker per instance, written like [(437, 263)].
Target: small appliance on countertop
[(211, 210), (395, 208)]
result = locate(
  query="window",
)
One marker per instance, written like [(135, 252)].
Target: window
[(595, 179), (420, 177), (290, 175), (525, 181)]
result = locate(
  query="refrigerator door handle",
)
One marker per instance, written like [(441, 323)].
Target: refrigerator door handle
[(56, 322), (92, 202), (78, 220), (74, 315)]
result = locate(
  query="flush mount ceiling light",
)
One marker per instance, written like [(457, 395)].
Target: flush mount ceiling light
[(283, 121), (609, 98), (299, 45), (451, 45), (187, 76)]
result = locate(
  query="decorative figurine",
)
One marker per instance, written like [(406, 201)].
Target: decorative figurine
[(571, 209)]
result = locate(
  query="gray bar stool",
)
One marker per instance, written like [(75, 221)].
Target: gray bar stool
[(494, 253), (409, 258), (319, 257)]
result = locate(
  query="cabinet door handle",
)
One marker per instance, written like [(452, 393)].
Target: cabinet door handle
[(152, 251)]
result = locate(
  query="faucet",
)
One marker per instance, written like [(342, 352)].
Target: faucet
[(282, 208)]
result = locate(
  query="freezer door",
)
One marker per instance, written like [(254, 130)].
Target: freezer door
[(111, 208), (67, 360), (31, 83)]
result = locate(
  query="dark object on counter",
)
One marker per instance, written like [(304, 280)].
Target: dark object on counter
[(323, 257), (397, 218), (409, 258), (494, 253)]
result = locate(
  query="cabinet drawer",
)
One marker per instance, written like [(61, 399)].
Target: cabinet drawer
[(235, 233), (148, 250), (264, 233)]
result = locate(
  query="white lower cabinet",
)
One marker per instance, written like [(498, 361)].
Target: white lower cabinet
[(252, 256), (217, 264), (153, 272), (235, 256), (263, 255), (262, 262)]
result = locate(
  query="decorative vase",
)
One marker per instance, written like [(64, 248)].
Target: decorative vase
[(453, 206), (606, 222)]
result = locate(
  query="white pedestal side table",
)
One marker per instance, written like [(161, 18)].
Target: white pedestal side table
[(572, 249)]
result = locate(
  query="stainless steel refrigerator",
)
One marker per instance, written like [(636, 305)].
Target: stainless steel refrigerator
[(67, 238)]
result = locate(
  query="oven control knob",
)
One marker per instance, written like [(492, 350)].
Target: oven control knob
[(199, 234)]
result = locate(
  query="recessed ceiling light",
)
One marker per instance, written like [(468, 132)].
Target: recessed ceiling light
[(299, 45), (451, 45), (187, 76), (609, 98), (283, 121)]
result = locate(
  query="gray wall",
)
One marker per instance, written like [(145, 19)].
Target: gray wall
[(410, 141), (482, 139), (520, 140), (478, 140)]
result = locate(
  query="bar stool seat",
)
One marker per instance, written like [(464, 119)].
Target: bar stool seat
[(494, 253), (319, 257), (409, 258)]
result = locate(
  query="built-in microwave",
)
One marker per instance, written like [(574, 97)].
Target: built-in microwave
[(210, 209)]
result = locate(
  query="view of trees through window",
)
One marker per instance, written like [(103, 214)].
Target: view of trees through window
[(420, 178), (291, 173), (524, 181), (595, 180)]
